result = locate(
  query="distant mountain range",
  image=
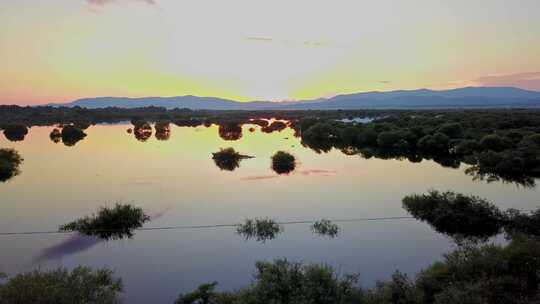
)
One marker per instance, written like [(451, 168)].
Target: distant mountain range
[(469, 97)]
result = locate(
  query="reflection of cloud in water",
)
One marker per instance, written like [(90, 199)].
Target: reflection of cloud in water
[(74, 244), (319, 172), (258, 177), (79, 243), (312, 172)]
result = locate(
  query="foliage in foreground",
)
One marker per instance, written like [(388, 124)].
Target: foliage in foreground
[(80, 286), (283, 162), (470, 274), (110, 223), (228, 159), (10, 161)]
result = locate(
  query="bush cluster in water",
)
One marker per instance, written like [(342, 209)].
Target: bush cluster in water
[(15, 132), (259, 229), (10, 161), (325, 227), (228, 159), (110, 223), (283, 162), (469, 217)]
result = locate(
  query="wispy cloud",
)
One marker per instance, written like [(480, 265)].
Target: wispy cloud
[(304, 43), (529, 81), (105, 2)]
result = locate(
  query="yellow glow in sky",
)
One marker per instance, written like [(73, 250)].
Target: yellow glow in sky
[(57, 51)]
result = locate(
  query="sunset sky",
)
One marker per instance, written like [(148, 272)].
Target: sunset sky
[(61, 50)]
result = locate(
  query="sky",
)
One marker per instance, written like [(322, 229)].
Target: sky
[(62, 50)]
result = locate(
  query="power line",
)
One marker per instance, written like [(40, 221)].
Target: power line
[(206, 226)]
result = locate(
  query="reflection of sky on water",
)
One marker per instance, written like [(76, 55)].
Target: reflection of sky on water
[(59, 184)]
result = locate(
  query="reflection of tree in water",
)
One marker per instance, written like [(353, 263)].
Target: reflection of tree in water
[(10, 161), (228, 159), (71, 135), (142, 130), (484, 175), (56, 135), (15, 132), (261, 230), (325, 227), (230, 131), (163, 130), (283, 162), (110, 223), (456, 215), (274, 126)]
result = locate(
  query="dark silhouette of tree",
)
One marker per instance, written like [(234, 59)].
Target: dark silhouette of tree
[(15, 132), (230, 131), (228, 159), (61, 286), (110, 223), (260, 229), (72, 135), (142, 130), (56, 135), (163, 130), (10, 161), (274, 126), (283, 162)]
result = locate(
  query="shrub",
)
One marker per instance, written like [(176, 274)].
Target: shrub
[(110, 223), (60, 286), (10, 161), (455, 214), (71, 135), (283, 162), (259, 229), (228, 159), (325, 227), (15, 132)]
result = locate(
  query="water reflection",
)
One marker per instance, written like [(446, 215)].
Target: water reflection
[(15, 132), (163, 130), (283, 162), (110, 223), (261, 230), (325, 227), (228, 159), (73, 245), (230, 131), (142, 130), (10, 161)]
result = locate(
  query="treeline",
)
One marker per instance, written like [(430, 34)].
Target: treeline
[(497, 144)]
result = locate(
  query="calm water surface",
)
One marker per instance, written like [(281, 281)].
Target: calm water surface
[(177, 183)]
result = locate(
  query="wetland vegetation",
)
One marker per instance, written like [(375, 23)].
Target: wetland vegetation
[(10, 162)]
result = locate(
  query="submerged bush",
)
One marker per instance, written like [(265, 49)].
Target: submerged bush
[(259, 229), (455, 214), (15, 132), (230, 131), (163, 130), (110, 223), (55, 135), (10, 161), (71, 135), (228, 159), (60, 286), (283, 162), (325, 227), (142, 130)]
